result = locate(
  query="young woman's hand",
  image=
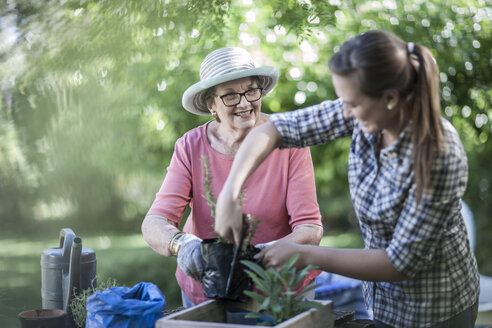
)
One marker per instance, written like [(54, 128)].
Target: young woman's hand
[(228, 217), (257, 145), (279, 252)]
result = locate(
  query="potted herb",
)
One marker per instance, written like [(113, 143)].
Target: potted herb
[(277, 291), (218, 255), (279, 306)]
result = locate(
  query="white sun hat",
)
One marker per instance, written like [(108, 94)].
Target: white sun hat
[(223, 65)]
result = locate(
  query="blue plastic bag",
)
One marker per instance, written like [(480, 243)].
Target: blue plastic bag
[(125, 307), (346, 293)]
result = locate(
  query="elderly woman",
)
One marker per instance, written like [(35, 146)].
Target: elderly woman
[(281, 194)]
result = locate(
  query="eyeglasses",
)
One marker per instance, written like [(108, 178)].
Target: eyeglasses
[(232, 99)]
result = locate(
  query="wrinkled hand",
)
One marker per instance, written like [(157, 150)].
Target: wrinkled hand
[(276, 254), (190, 257), (228, 217)]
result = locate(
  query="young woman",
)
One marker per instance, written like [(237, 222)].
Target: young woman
[(407, 172)]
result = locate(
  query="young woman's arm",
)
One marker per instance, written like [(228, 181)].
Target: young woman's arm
[(362, 264), (259, 143)]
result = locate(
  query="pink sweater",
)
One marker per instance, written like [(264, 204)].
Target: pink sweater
[(281, 193)]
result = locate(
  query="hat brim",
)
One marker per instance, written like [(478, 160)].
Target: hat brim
[(193, 98)]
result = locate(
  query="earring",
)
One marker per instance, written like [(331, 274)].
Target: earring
[(214, 114), (390, 107)]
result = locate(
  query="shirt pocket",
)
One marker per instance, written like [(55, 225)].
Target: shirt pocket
[(395, 179), (396, 173)]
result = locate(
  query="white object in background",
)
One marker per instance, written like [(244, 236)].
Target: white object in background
[(485, 298)]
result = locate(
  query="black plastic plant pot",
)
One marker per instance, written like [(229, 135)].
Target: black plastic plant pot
[(217, 257)]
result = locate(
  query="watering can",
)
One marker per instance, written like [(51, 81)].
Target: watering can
[(66, 271)]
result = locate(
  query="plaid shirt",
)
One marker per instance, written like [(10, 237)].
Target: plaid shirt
[(426, 242)]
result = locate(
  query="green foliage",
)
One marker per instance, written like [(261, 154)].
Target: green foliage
[(209, 197), (277, 294), (91, 95), (252, 224), (211, 202), (78, 305)]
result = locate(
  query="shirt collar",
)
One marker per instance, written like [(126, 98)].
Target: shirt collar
[(402, 144)]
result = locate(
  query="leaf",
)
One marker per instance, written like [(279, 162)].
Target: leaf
[(309, 288), (253, 276), (259, 283), (290, 293), (303, 273), (290, 262), (276, 308), (253, 315), (256, 269), (265, 290), (257, 297), (313, 304)]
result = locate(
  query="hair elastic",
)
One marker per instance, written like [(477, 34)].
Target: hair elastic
[(410, 47)]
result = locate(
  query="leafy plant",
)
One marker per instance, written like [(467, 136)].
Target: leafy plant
[(253, 224), (78, 305), (278, 295), (220, 255), (209, 197)]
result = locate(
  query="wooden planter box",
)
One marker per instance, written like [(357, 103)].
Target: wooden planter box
[(213, 314)]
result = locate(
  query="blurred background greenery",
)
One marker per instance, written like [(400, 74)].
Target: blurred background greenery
[(90, 109)]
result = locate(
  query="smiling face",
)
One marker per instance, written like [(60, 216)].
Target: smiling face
[(243, 115), (371, 113)]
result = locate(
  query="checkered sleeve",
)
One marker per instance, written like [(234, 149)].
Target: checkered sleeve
[(420, 229), (313, 125)]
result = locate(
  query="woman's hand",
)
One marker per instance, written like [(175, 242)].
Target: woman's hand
[(228, 216), (363, 264), (280, 252), (190, 257)]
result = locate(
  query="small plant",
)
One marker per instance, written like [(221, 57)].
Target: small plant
[(78, 305), (209, 197), (211, 202), (277, 297), (223, 278), (253, 224)]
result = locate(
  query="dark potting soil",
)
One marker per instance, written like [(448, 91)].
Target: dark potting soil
[(218, 257)]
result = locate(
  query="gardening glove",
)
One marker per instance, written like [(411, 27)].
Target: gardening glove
[(190, 256), (264, 245)]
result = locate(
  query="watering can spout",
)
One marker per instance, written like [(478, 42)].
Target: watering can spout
[(73, 280)]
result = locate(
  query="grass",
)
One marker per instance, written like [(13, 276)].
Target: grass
[(128, 259)]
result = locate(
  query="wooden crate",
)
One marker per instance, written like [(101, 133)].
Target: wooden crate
[(213, 314)]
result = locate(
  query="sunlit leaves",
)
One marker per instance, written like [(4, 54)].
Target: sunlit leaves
[(92, 89)]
